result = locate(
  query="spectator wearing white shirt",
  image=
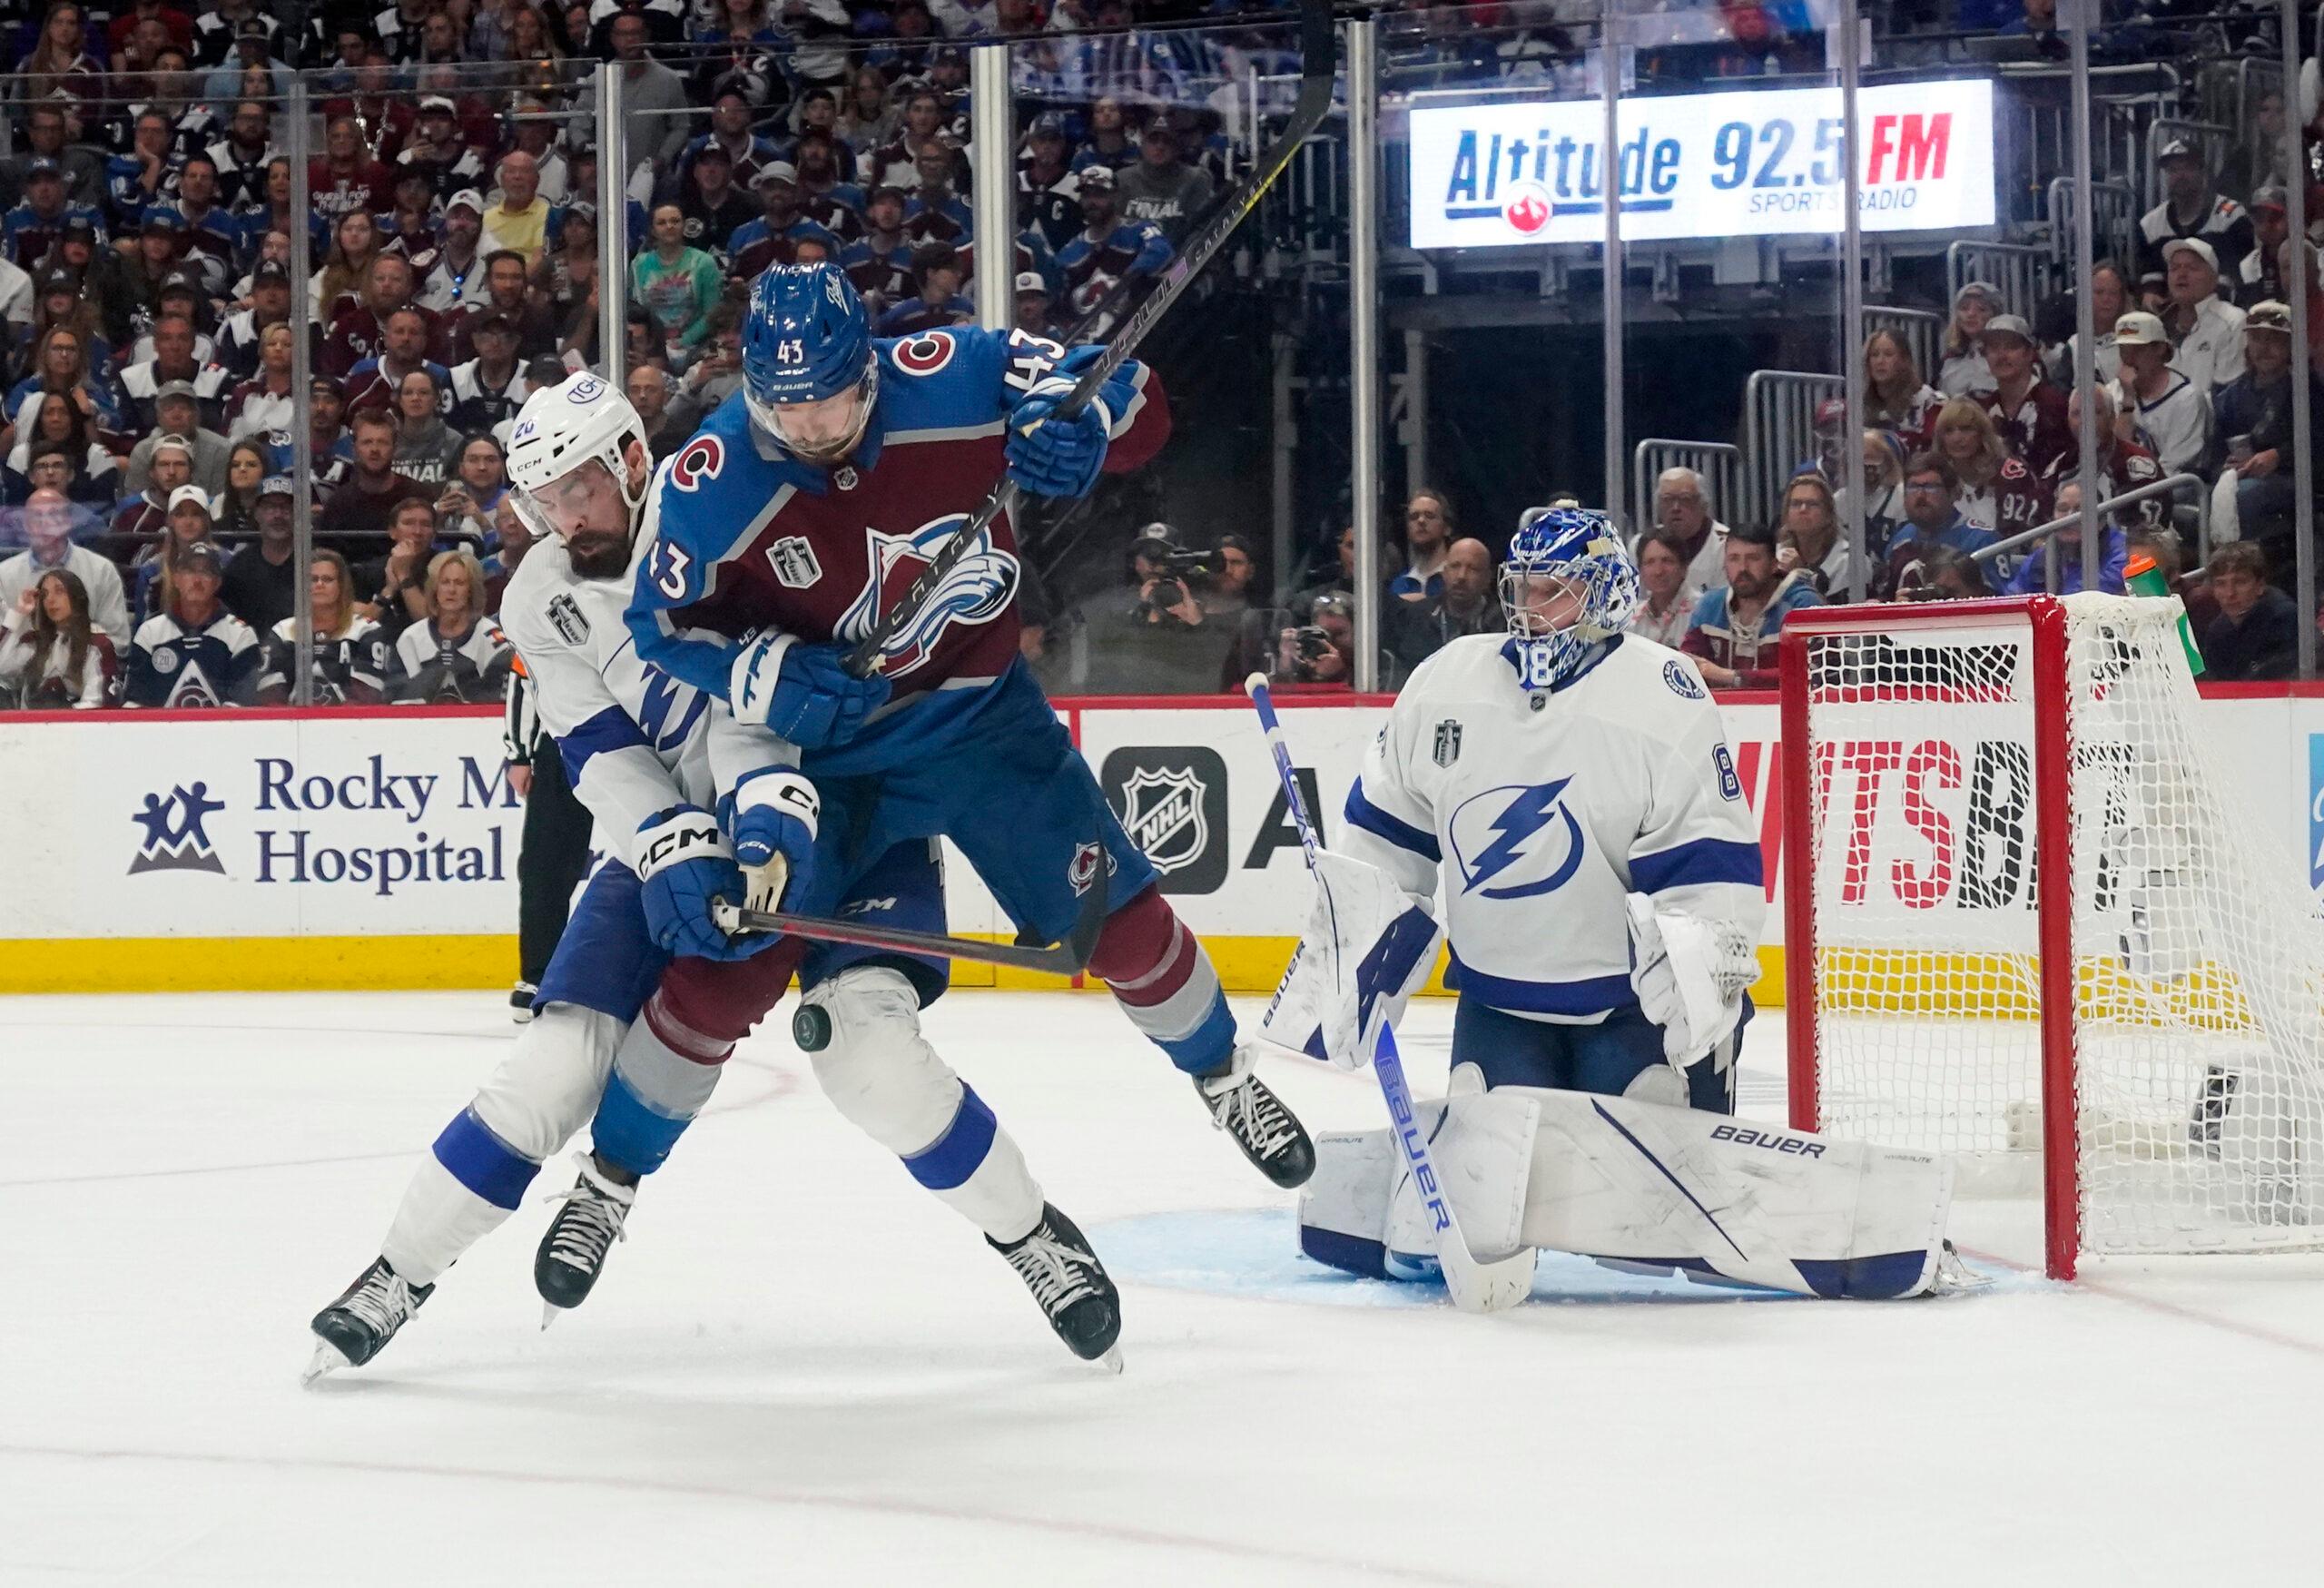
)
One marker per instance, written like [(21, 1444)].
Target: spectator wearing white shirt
[(1682, 506), (48, 518), (50, 654), (2160, 398), (2208, 329), (1962, 368), (1670, 601)]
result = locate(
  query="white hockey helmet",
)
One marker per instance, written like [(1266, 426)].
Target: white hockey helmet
[(562, 428)]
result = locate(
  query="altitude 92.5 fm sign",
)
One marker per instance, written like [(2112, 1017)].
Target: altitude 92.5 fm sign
[(1695, 165)]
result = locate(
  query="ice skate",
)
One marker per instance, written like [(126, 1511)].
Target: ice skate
[(356, 1328), (573, 1252), (1063, 1273), (520, 1002), (1269, 1135)]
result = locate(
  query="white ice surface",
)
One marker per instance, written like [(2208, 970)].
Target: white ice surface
[(802, 1369)]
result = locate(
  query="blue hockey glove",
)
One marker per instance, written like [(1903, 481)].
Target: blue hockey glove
[(1059, 457), (772, 816), (801, 691), (686, 867)]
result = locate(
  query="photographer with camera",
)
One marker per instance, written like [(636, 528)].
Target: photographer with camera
[(1155, 637)]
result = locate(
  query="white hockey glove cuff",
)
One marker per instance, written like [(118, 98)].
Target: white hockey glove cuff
[(1368, 947), (1689, 974)]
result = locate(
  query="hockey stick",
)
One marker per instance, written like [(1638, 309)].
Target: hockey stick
[(1475, 1287), (1064, 959), (1205, 237)]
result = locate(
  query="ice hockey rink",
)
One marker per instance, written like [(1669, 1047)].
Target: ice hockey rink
[(802, 1369)]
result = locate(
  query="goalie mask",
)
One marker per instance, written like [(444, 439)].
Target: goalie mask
[(1567, 585)]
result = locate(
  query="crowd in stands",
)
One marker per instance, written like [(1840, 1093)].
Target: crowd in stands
[(147, 443), (146, 228)]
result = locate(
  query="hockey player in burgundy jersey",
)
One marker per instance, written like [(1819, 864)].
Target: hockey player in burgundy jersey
[(803, 510)]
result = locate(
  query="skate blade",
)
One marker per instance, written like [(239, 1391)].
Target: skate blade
[(1111, 1361), (550, 1313), (327, 1358)]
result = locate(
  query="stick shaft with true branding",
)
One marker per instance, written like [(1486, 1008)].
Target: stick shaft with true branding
[(1474, 1287), (1205, 237)]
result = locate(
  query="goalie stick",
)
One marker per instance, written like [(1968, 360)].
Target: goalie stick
[(1064, 959), (1207, 235), (1475, 1287)]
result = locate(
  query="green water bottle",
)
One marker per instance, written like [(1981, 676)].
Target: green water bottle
[(2143, 579)]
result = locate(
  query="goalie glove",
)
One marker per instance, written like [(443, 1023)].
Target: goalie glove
[(1689, 974), (1368, 947)]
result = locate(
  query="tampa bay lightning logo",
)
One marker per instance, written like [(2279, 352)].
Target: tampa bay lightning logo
[(1522, 837), (976, 591)]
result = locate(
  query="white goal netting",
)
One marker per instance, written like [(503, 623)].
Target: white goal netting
[(2194, 1029)]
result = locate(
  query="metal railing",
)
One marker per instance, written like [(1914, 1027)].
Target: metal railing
[(2115, 216), (1718, 463), (1779, 433), (2015, 268), (1922, 330), (2212, 140)]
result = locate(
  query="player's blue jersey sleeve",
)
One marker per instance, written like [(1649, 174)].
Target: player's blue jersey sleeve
[(703, 505)]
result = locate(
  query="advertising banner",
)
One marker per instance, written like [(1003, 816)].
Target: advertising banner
[(1510, 173)]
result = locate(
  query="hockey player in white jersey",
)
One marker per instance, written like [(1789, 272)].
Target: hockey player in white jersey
[(1569, 792), (629, 1018)]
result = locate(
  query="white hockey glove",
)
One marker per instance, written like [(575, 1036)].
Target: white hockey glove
[(1690, 975), (1368, 947)]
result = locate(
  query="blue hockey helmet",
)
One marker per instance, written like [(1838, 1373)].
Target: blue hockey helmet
[(810, 372), (1566, 584)]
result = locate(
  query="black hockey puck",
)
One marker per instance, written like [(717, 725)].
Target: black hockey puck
[(811, 1028)]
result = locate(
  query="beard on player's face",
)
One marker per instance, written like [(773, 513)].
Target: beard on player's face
[(597, 553)]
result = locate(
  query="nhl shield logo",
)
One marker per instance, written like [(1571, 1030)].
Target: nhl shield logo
[(1448, 743), (1162, 809)]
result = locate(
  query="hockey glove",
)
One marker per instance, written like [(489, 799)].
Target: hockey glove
[(1050, 455), (801, 691), (686, 867), (772, 816), (1689, 974)]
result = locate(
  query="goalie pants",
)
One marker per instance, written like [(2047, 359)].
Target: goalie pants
[(1608, 1058)]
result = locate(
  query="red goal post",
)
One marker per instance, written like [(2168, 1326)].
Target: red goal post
[(2024, 926)]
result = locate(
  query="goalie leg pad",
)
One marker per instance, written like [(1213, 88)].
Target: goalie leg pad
[(1681, 1189), (881, 1074), (478, 1169), (1359, 1212)]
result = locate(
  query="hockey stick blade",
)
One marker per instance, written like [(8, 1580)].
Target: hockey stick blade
[(1064, 959), (1206, 236), (1474, 1286)]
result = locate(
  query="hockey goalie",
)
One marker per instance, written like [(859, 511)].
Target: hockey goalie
[(1570, 789)]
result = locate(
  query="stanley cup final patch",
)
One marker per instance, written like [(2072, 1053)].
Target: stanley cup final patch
[(564, 616), (1448, 743)]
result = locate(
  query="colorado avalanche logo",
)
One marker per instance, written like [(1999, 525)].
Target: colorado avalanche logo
[(976, 591), (1526, 836), (700, 459), (924, 355)]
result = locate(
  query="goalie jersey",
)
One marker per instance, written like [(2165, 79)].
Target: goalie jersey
[(1541, 809)]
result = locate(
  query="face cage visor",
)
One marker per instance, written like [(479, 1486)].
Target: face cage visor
[(823, 432), (551, 511)]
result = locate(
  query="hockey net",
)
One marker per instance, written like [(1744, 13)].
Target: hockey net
[(2032, 924)]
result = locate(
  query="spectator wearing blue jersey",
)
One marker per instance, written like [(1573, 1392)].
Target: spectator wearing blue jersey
[(194, 653), (1933, 520), (939, 302), (79, 464), (30, 229), (714, 209), (145, 176), (1429, 524), (1733, 633), (1108, 248), (2032, 575), (61, 365), (936, 213)]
